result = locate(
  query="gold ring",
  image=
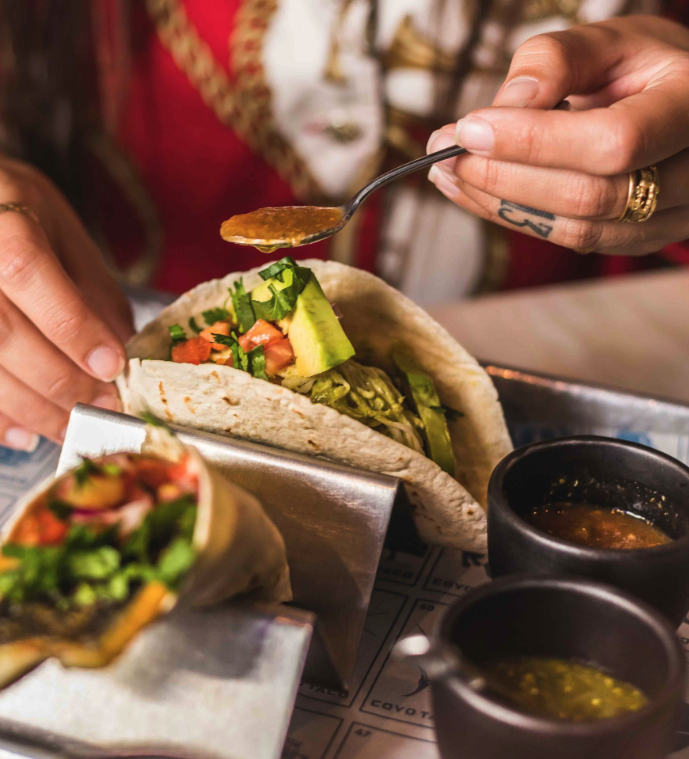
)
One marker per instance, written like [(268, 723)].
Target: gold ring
[(642, 197), (583, 251), (18, 208)]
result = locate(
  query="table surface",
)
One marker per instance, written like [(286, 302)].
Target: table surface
[(631, 332)]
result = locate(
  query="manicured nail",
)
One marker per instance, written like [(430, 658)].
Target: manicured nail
[(444, 184), (105, 363), (108, 401), (431, 140), (474, 134), (21, 439), (518, 93)]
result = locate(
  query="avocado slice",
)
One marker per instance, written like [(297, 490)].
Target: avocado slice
[(421, 391), (318, 340)]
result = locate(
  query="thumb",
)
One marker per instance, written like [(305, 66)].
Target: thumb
[(548, 68)]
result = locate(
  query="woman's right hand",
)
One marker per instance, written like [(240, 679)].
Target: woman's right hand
[(63, 318)]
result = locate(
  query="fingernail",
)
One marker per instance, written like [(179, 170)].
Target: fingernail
[(475, 135), (519, 92), (105, 363), (108, 401), (445, 185), (442, 141), (444, 170), (431, 140), (21, 439)]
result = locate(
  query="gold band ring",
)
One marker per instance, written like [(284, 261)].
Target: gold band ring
[(642, 197), (18, 208)]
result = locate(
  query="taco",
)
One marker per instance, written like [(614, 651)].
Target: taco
[(327, 360), (94, 556)]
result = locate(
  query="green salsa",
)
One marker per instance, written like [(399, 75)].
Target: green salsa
[(561, 688)]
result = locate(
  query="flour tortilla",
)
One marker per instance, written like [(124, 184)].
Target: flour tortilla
[(377, 319), (239, 550)]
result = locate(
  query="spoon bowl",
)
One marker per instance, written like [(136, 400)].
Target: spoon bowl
[(292, 226)]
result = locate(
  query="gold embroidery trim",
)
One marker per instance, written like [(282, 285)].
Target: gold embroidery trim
[(245, 107)]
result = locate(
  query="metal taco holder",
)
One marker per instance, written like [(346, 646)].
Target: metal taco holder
[(220, 682)]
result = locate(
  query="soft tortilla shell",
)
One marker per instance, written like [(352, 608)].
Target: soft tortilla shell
[(377, 319), (239, 550)]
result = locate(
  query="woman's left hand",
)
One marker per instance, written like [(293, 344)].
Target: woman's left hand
[(564, 176)]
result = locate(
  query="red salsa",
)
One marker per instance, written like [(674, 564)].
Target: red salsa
[(596, 526)]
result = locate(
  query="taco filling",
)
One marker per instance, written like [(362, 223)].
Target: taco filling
[(91, 542), (285, 331)]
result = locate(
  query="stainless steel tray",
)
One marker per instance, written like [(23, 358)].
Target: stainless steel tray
[(539, 399)]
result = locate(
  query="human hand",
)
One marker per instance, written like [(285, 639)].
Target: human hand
[(562, 175), (63, 318)]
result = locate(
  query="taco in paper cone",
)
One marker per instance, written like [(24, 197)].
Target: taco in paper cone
[(327, 360), (96, 555)]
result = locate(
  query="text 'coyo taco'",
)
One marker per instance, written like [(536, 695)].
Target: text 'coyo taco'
[(97, 554), (327, 360)]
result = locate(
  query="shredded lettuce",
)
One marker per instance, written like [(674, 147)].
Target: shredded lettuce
[(366, 394)]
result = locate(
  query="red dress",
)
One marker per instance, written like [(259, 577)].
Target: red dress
[(198, 171)]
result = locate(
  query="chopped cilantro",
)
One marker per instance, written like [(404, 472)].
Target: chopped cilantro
[(282, 301), (243, 310), (93, 565), (177, 334), (61, 509), (239, 360), (213, 315), (257, 362), (84, 472), (253, 362), (153, 420), (194, 326), (175, 561), (276, 269)]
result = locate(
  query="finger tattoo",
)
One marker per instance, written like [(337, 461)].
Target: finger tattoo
[(518, 216)]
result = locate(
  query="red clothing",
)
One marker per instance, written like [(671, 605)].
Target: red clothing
[(196, 169), (199, 172)]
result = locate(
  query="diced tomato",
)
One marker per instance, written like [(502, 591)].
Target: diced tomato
[(219, 328), (42, 528), (152, 472), (194, 351), (262, 333), (230, 361), (278, 356)]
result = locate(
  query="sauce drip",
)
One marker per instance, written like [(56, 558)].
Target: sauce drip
[(597, 527), (285, 227), (561, 688)]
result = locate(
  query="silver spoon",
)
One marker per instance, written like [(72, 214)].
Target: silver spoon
[(292, 226)]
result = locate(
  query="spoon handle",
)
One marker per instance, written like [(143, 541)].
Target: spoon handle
[(401, 171)]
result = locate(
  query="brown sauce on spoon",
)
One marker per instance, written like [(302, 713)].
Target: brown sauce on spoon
[(284, 227)]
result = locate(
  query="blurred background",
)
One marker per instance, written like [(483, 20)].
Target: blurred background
[(159, 119)]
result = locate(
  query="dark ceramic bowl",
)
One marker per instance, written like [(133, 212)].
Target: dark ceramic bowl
[(566, 618), (605, 472)]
